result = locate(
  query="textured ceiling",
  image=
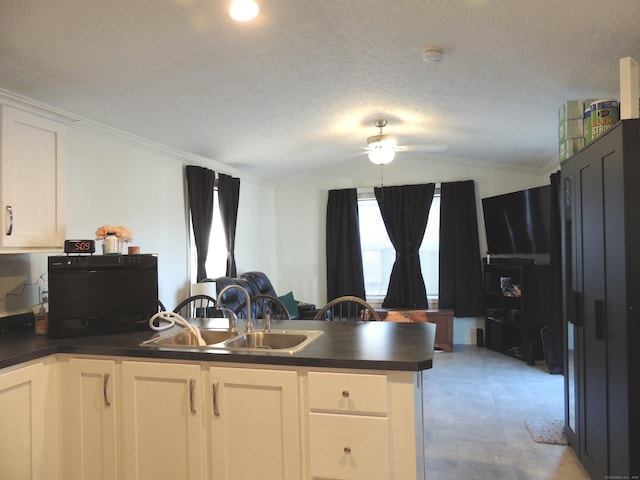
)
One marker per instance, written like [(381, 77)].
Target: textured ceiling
[(297, 89)]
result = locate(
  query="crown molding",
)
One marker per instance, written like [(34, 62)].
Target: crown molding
[(81, 123)]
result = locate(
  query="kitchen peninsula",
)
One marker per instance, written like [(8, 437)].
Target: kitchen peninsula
[(349, 405)]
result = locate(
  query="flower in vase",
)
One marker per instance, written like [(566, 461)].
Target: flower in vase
[(122, 233)]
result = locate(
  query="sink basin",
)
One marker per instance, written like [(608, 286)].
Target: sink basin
[(268, 340), (288, 341), (183, 338)]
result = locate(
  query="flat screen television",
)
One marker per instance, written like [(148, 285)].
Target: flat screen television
[(518, 222)]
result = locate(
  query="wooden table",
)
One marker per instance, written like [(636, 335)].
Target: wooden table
[(442, 318)]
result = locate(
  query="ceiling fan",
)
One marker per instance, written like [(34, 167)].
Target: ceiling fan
[(382, 148)]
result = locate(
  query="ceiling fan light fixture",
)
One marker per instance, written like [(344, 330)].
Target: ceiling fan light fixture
[(381, 148), (381, 154), (244, 10)]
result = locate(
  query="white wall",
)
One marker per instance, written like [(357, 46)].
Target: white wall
[(121, 180), (301, 204)]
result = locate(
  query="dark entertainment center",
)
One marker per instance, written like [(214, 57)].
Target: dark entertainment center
[(516, 289), (517, 307)]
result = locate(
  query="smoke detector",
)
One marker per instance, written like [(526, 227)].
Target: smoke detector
[(432, 54)]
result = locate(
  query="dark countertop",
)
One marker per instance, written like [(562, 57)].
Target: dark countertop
[(362, 345)]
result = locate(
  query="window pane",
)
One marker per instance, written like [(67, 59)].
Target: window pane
[(217, 255), (378, 254)]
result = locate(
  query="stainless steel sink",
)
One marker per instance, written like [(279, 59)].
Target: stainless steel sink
[(289, 341), (183, 338), (268, 340)]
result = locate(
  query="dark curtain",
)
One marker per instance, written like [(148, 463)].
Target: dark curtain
[(405, 210), (228, 199), (553, 335), (200, 184), (460, 272), (344, 255)]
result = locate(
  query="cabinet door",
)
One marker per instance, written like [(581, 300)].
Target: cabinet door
[(162, 421), (32, 175), (22, 441), (591, 335), (92, 414), (569, 260), (254, 424)]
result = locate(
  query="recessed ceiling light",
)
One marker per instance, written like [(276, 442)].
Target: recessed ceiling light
[(244, 10)]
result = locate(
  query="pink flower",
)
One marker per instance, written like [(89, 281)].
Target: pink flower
[(122, 233)]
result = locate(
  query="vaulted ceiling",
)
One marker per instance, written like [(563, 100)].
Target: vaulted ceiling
[(297, 89)]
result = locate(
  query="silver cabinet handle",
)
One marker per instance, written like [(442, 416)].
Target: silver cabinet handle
[(10, 227), (192, 401), (216, 410), (105, 383)]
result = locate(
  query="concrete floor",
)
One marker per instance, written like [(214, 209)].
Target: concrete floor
[(477, 402)]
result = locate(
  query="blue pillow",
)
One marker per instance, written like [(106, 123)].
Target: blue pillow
[(290, 303)]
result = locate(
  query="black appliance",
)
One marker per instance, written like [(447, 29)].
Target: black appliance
[(101, 294), (518, 222)]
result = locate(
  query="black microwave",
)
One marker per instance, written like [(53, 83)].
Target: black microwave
[(101, 294)]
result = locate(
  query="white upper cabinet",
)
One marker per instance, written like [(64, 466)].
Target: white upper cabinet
[(32, 186)]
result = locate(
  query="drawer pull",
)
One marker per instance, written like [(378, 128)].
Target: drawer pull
[(214, 394), (10, 227), (345, 393), (192, 400), (105, 384), (347, 450)]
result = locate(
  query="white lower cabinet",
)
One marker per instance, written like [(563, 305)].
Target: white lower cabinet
[(22, 424), (348, 446), (254, 424), (92, 420), (131, 419), (162, 428), (364, 426), (348, 425)]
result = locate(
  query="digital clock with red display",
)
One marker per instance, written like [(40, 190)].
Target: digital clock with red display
[(79, 246)]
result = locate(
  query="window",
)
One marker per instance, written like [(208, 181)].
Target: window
[(217, 256), (378, 254)]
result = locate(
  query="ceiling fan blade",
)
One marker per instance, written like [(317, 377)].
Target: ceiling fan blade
[(430, 147)]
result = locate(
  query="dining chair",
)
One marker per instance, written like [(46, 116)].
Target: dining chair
[(347, 308), (261, 302), (196, 306)]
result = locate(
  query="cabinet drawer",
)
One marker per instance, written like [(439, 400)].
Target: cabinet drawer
[(348, 447), (348, 393)]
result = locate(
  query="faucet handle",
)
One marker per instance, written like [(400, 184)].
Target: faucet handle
[(233, 328), (267, 320)]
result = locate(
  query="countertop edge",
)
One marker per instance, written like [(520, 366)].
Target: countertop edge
[(333, 351)]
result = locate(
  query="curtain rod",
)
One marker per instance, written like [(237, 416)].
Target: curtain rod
[(368, 190)]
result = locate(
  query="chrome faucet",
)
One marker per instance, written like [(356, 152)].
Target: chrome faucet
[(248, 328)]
